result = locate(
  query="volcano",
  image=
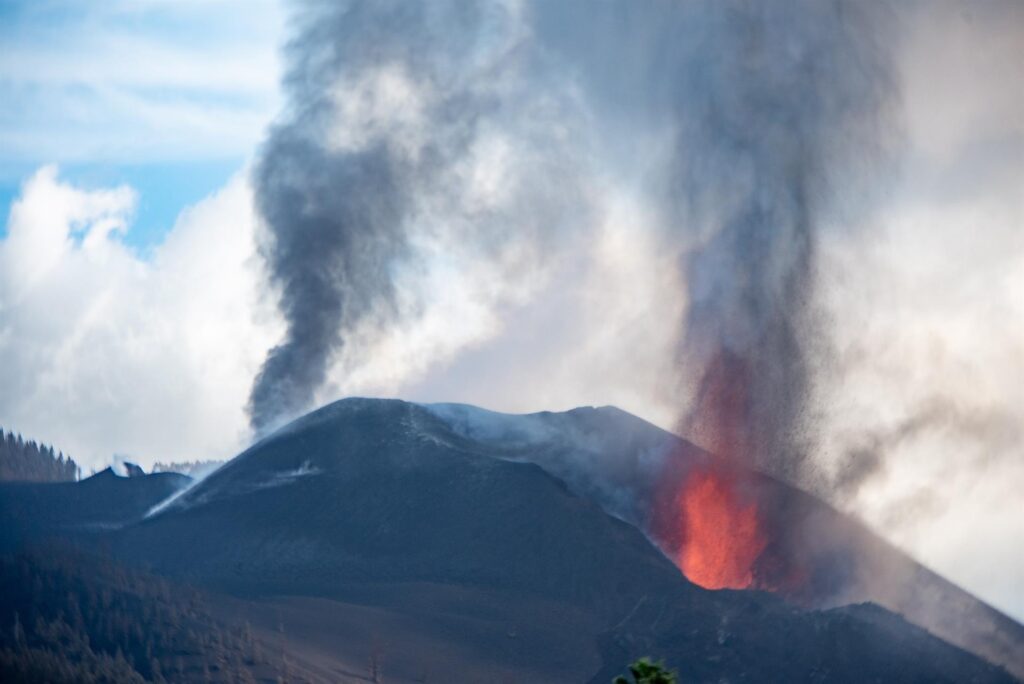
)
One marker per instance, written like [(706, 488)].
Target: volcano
[(450, 543), (726, 526)]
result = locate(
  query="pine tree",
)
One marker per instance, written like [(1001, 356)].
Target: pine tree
[(33, 462)]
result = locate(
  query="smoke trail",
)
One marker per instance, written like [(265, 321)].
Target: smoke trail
[(335, 212), (333, 264), (400, 121)]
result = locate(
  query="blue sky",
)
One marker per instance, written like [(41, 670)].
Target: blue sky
[(170, 98)]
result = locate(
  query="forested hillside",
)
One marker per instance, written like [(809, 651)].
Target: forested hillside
[(66, 616), (31, 462)]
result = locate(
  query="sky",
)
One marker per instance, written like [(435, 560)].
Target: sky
[(169, 97), (135, 309)]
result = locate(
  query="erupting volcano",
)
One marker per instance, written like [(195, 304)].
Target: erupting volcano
[(720, 530), (719, 525)]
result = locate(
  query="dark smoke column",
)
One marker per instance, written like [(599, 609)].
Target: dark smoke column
[(336, 228), (395, 111), (334, 211), (781, 113)]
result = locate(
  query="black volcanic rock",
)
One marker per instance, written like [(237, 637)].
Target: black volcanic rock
[(476, 564), (383, 491), (133, 469)]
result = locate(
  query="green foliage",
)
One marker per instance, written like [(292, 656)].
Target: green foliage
[(646, 672)]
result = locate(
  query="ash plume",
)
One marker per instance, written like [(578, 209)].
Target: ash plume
[(335, 221), (331, 263), (394, 107), (784, 114), (739, 120)]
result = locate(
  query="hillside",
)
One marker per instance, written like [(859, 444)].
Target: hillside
[(627, 466), (360, 501), (384, 535), (71, 617)]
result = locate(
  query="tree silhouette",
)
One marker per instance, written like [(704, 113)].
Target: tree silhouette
[(646, 672), (70, 617), (32, 462)]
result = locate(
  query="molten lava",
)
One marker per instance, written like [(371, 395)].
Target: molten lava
[(721, 532), (716, 531)]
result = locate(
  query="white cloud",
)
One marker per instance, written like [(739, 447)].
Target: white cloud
[(102, 352), (928, 312), (48, 221), (598, 327), (137, 82)]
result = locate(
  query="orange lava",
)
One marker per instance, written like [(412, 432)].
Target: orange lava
[(721, 533)]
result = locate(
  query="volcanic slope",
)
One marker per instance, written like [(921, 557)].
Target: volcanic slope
[(627, 465), (378, 528)]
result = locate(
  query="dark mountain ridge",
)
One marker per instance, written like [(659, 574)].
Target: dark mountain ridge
[(375, 526), (104, 501)]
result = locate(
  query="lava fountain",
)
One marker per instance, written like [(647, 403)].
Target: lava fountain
[(715, 529), (721, 532)]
